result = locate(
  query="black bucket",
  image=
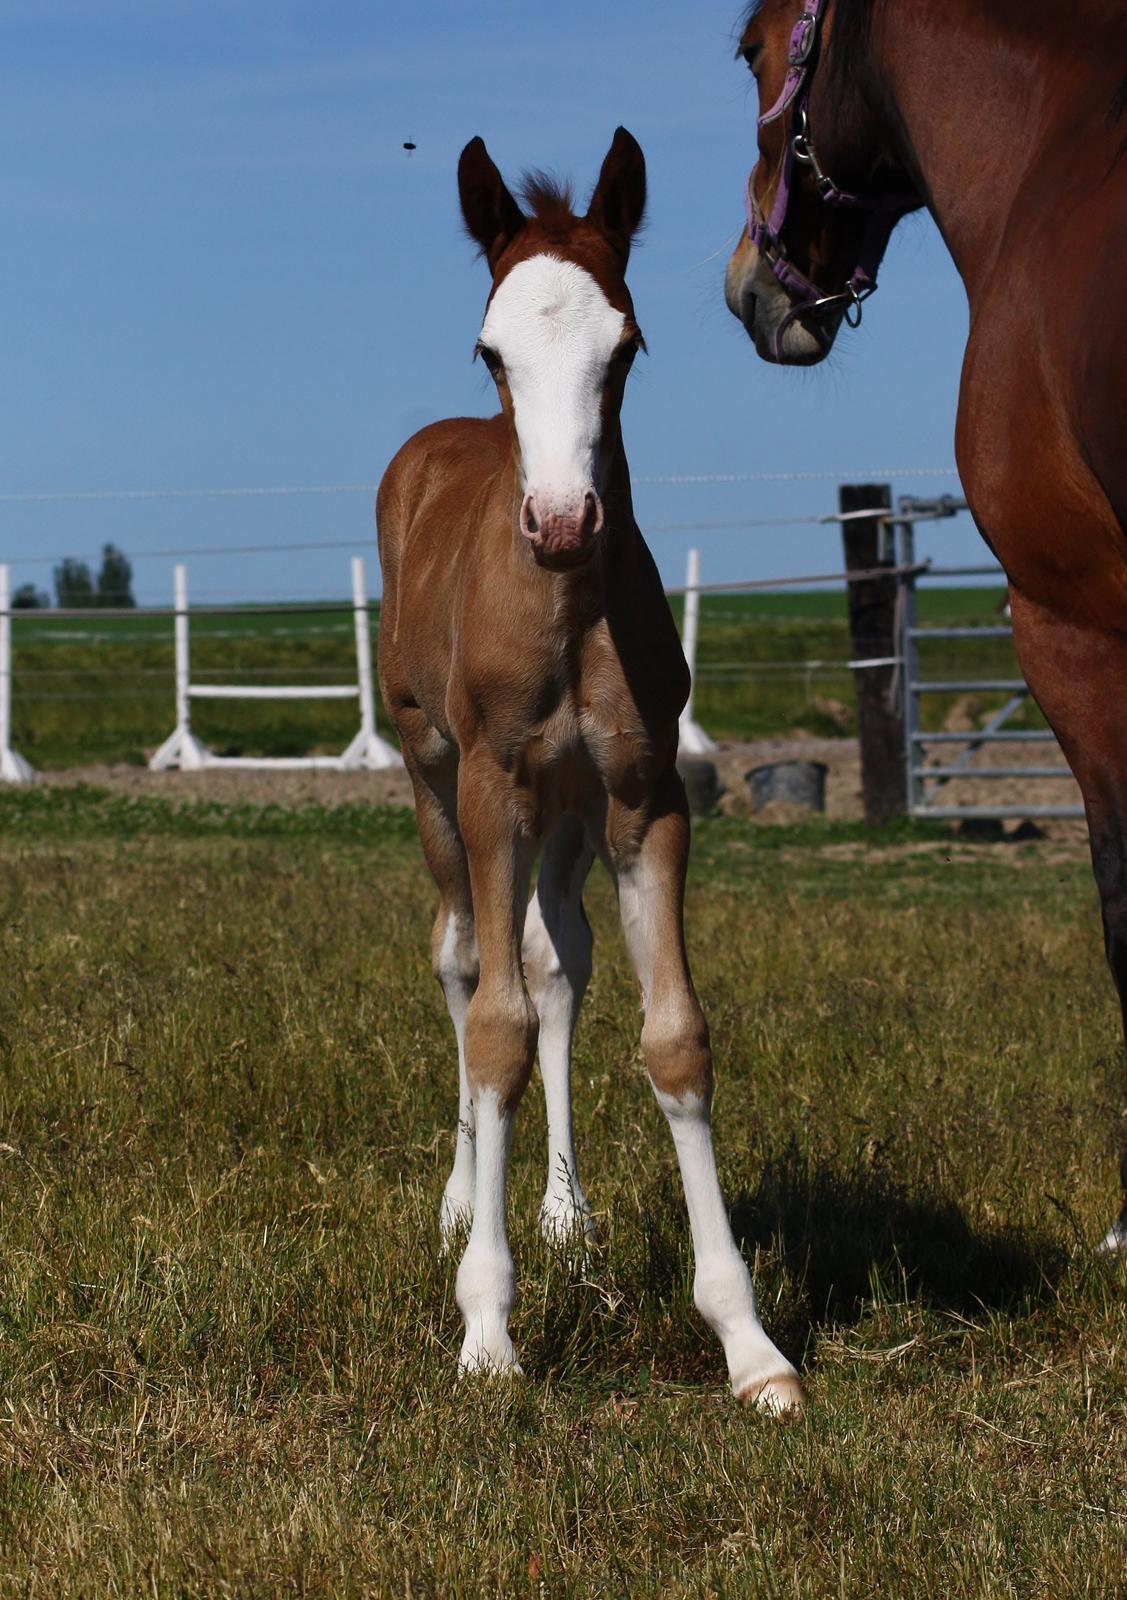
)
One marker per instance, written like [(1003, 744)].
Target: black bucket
[(798, 784)]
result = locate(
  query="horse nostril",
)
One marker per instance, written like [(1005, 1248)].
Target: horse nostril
[(592, 513), (529, 521)]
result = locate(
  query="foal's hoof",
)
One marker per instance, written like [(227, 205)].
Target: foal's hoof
[(1114, 1242), (563, 1224), (453, 1221), (495, 1360), (783, 1396)]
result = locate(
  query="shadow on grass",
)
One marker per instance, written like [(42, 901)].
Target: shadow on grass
[(851, 1236)]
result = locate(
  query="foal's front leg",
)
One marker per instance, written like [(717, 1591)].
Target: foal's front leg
[(500, 1043), (649, 855)]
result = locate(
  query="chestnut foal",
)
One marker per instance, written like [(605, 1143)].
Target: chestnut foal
[(531, 667)]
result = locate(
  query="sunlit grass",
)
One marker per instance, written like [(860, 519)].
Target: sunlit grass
[(227, 1338)]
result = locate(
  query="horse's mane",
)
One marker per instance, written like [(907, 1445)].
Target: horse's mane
[(852, 31), (851, 18), (549, 199)]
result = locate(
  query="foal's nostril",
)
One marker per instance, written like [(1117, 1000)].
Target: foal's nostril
[(529, 517)]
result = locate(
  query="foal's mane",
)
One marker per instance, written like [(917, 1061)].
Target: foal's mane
[(548, 199)]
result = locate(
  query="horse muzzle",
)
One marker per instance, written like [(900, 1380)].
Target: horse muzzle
[(783, 333), (561, 536)]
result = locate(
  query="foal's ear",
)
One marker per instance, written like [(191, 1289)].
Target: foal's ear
[(492, 216), (619, 200)]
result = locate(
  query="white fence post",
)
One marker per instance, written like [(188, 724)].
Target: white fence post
[(181, 749), (13, 767), (693, 739), (367, 752)]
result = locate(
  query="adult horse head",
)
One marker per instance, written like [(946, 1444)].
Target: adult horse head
[(820, 206), (1009, 121)]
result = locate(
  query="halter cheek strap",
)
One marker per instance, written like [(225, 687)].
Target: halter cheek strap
[(766, 233), (803, 38)]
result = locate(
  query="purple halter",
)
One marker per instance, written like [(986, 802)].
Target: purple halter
[(766, 233)]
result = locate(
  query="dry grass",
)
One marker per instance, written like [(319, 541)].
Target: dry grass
[(227, 1339)]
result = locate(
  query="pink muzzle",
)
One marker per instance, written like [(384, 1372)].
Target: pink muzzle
[(565, 536)]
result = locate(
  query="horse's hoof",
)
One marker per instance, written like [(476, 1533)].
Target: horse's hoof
[(496, 1363), (783, 1396), (561, 1225), (453, 1222), (1113, 1245)]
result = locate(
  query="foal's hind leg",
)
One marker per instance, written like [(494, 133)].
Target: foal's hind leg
[(648, 856), (557, 968), (1078, 675), (453, 952)]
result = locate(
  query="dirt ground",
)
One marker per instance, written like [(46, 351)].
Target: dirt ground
[(734, 761)]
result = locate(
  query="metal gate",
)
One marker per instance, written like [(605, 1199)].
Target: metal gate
[(925, 784)]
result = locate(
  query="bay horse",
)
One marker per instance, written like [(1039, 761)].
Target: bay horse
[(1008, 121), (530, 664)]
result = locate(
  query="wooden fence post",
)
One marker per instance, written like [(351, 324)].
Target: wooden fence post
[(872, 636)]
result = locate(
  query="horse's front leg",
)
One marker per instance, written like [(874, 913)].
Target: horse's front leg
[(500, 1044), (649, 852)]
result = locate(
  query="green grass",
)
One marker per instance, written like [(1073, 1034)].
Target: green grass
[(227, 1339), (101, 689)]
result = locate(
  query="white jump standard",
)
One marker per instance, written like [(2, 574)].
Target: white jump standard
[(692, 739), (13, 767), (367, 752)]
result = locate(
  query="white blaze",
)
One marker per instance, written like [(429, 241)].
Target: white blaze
[(555, 332)]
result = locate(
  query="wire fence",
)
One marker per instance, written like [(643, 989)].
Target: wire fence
[(95, 682)]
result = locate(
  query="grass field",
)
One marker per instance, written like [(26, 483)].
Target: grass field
[(101, 689), (227, 1340)]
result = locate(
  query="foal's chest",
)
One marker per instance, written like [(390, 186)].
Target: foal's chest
[(598, 723)]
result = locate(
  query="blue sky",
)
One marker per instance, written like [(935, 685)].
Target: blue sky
[(222, 270)]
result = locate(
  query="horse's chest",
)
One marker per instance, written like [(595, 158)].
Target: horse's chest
[(596, 732)]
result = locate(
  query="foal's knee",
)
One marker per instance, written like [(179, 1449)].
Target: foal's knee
[(501, 1031), (678, 1054)]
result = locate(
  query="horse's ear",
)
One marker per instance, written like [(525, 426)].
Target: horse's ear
[(619, 200), (491, 214)]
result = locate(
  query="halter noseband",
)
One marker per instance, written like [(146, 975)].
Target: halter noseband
[(766, 233)]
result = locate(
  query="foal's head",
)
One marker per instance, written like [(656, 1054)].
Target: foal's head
[(827, 187), (559, 334)]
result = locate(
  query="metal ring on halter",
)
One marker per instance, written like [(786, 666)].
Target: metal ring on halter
[(851, 299)]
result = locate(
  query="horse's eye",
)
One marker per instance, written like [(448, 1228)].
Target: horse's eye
[(753, 55), (490, 357)]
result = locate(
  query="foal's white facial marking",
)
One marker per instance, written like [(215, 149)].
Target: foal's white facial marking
[(555, 332)]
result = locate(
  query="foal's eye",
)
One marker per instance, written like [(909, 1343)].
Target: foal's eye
[(490, 357)]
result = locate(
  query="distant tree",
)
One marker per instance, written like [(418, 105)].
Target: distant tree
[(115, 580), (74, 587), (28, 598)]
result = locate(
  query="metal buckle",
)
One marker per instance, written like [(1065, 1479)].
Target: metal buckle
[(802, 39)]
